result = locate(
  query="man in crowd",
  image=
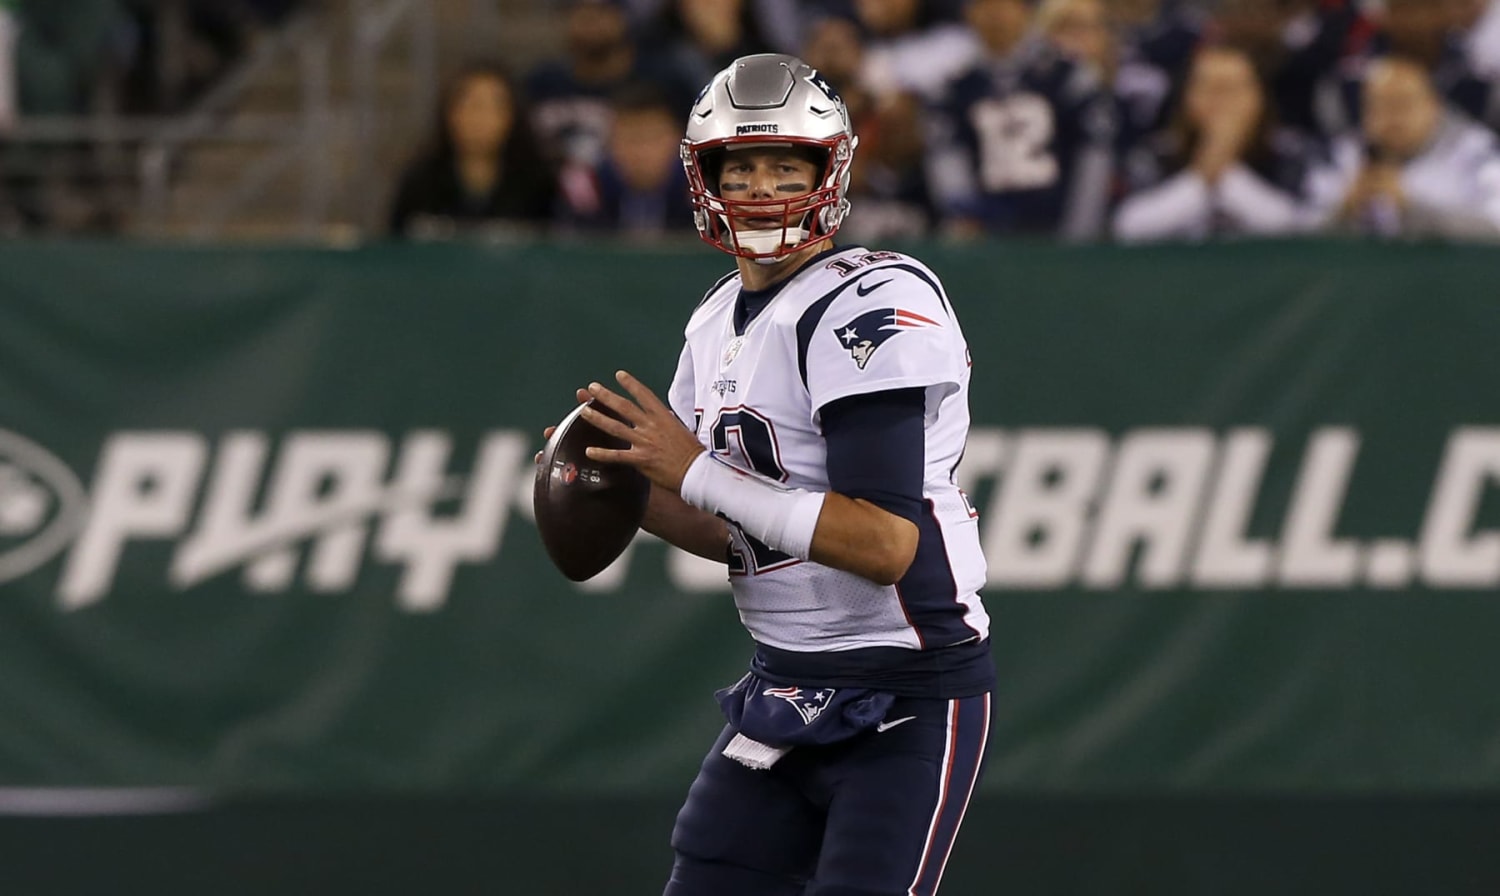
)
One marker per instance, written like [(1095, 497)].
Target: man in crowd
[(1418, 168), (1022, 143), (639, 188), (570, 96)]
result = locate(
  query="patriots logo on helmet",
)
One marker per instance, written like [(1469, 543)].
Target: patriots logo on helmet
[(863, 335), (809, 706), (818, 81)]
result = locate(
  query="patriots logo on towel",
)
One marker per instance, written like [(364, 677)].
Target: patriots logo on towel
[(809, 705), (863, 335)]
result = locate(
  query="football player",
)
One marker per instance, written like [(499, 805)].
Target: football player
[(809, 442)]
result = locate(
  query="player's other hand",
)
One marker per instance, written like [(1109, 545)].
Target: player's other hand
[(660, 446), (582, 396)]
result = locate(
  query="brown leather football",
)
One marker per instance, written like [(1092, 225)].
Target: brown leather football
[(586, 511)]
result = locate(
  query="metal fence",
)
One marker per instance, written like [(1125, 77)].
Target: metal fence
[(128, 169)]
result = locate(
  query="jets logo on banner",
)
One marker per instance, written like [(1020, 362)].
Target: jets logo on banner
[(868, 332)]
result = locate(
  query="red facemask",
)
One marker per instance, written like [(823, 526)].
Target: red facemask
[(813, 216)]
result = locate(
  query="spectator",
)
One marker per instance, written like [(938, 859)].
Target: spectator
[(1022, 142), (640, 188), (483, 164), (1416, 29), (1476, 27), (1154, 45), (1232, 173), (1419, 169), (702, 37), (1080, 30), (911, 48), (836, 49), (1306, 48), (779, 22), (1430, 33), (570, 97), (1162, 34), (887, 181)]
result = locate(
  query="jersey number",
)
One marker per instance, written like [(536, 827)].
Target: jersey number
[(1014, 135), (754, 441)]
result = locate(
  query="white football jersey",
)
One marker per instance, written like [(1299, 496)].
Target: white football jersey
[(852, 321)]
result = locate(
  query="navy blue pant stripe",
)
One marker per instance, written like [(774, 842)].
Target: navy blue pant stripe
[(963, 756)]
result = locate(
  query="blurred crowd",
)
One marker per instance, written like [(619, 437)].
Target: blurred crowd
[(97, 57), (1079, 120), (68, 57)]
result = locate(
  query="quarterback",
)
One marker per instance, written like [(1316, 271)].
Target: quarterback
[(809, 441)]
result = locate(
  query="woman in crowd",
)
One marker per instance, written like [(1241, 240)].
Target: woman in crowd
[(1227, 170), (483, 165)]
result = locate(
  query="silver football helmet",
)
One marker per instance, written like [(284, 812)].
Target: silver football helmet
[(769, 99)]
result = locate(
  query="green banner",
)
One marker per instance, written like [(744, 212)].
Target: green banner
[(265, 520)]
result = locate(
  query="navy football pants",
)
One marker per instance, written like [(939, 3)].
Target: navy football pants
[(873, 816)]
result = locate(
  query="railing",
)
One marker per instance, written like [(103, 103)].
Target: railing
[(376, 24), (134, 162), (303, 139), (135, 156)]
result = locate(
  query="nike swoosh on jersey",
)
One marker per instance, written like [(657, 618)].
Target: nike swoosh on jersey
[(886, 726), (860, 288)]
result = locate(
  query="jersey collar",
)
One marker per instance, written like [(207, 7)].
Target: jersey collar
[(751, 302)]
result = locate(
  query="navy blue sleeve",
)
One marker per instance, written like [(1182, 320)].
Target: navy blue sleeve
[(876, 448)]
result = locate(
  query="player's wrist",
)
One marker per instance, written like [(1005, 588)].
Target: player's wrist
[(779, 517), (683, 473)]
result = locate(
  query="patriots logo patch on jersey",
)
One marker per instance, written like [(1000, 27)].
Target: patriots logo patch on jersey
[(863, 335), (809, 705)]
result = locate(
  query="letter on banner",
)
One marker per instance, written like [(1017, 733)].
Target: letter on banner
[(144, 488), (1453, 556), (1152, 499), (1039, 512)]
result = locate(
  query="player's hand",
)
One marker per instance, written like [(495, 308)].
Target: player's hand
[(582, 397), (660, 446)]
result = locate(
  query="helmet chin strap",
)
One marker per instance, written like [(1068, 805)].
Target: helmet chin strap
[(761, 241), (769, 241)]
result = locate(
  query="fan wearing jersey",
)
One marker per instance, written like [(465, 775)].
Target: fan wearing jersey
[(809, 441), (1022, 143)]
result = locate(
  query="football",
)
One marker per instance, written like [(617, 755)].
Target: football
[(586, 511)]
